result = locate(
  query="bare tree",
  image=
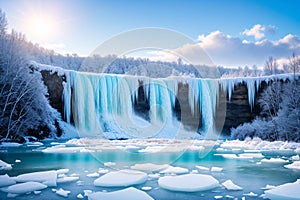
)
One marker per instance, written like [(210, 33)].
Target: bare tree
[(294, 62), (270, 66)]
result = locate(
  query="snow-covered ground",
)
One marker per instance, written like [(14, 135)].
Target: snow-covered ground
[(177, 169)]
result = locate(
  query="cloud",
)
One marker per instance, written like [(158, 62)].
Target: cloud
[(230, 51), (258, 31)]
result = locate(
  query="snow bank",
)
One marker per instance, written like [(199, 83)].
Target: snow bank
[(23, 188), (286, 191), (174, 170), (188, 182), (5, 166), (294, 165), (10, 144), (5, 180), (128, 193), (122, 178), (149, 167), (48, 178), (229, 185)]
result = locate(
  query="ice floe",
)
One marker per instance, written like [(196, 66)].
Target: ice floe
[(149, 167), (274, 160), (80, 196), (48, 178), (250, 194), (288, 191), (174, 170), (294, 165), (122, 178), (216, 169), (130, 193), (203, 168), (109, 164), (188, 182), (62, 192), (23, 188), (67, 179), (229, 185), (146, 188), (295, 158), (5, 180), (5, 166), (93, 175)]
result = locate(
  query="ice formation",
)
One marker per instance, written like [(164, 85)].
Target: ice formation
[(286, 191), (130, 193), (101, 103), (122, 178), (188, 182)]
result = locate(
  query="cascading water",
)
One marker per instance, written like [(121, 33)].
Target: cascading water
[(105, 102)]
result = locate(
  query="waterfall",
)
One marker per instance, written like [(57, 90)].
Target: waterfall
[(105, 103)]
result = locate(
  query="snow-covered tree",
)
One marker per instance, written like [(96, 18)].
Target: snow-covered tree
[(24, 108)]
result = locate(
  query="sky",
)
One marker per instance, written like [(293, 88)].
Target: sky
[(232, 32)]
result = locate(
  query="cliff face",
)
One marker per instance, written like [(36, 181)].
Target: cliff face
[(228, 114)]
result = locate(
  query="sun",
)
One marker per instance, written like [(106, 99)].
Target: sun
[(40, 27)]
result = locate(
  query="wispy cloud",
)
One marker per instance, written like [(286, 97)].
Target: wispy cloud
[(258, 31)]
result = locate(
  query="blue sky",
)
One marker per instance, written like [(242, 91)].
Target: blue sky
[(252, 29)]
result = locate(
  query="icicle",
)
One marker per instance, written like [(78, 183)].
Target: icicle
[(250, 82)]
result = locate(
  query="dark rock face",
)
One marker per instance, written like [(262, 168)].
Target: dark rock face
[(54, 85), (228, 114)]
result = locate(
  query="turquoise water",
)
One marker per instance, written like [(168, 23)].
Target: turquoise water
[(246, 173)]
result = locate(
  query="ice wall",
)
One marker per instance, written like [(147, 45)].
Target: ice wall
[(104, 102)]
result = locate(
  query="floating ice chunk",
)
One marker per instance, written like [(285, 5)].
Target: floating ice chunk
[(149, 167), (218, 197), (216, 169), (17, 161), (202, 168), (80, 196), (67, 179), (62, 192), (93, 175), (62, 149), (23, 188), (46, 177), (229, 185), (87, 192), (296, 157), (188, 182), (274, 160), (174, 170), (294, 165), (268, 187), (147, 188), (286, 191), (5, 180), (62, 171), (5, 166), (10, 144), (229, 196), (154, 176), (37, 192), (297, 150), (122, 178), (194, 171), (103, 171), (251, 194), (130, 193), (80, 183), (250, 155), (109, 164), (34, 144)]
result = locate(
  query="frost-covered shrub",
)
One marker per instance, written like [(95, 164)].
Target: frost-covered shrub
[(280, 118)]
